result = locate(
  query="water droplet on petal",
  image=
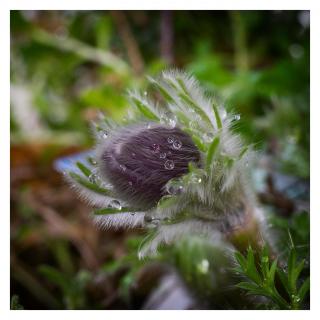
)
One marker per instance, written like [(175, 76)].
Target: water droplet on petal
[(170, 140), (115, 204), (162, 155), (169, 164), (122, 167), (130, 183), (103, 134), (156, 148), (177, 144), (133, 155)]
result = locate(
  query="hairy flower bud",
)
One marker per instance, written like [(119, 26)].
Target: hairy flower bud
[(139, 160)]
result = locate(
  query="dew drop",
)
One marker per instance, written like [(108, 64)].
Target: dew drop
[(172, 122), (115, 204), (203, 266), (130, 183), (174, 189), (93, 178), (156, 148), (103, 134), (195, 178), (208, 137), (170, 140), (94, 162), (133, 155), (122, 167), (162, 155), (223, 113), (177, 144), (236, 117), (169, 164)]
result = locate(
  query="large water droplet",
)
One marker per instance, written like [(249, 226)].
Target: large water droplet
[(115, 204), (170, 140), (195, 178), (169, 164), (93, 178), (177, 144), (174, 188)]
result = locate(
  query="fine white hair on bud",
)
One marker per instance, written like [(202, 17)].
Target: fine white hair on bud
[(176, 168)]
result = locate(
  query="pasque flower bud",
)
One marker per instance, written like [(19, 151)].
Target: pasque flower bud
[(178, 168), (139, 160)]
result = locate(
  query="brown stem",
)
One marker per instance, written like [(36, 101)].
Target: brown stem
[(129, 41)]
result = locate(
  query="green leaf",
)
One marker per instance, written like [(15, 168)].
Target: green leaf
[(15, 304), (89, 185), (164, 92), (272, 272), (243, 151), (195, 107), (305, 287), (167, 202), (144, 109), (211, 151), (265, 263), (112, 210), (217, 116), (252, 271), (55, 276), (85, 170), (241, 260)]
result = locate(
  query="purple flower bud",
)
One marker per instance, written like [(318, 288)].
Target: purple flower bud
[(139, 161)]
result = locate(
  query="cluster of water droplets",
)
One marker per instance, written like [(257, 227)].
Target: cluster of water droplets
[(96, 179), (156, 149), (168, 119)]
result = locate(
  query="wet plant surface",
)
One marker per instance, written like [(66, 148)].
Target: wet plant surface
[(66, 68)]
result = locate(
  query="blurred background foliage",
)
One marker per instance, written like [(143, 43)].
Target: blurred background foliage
[(66, 66)]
